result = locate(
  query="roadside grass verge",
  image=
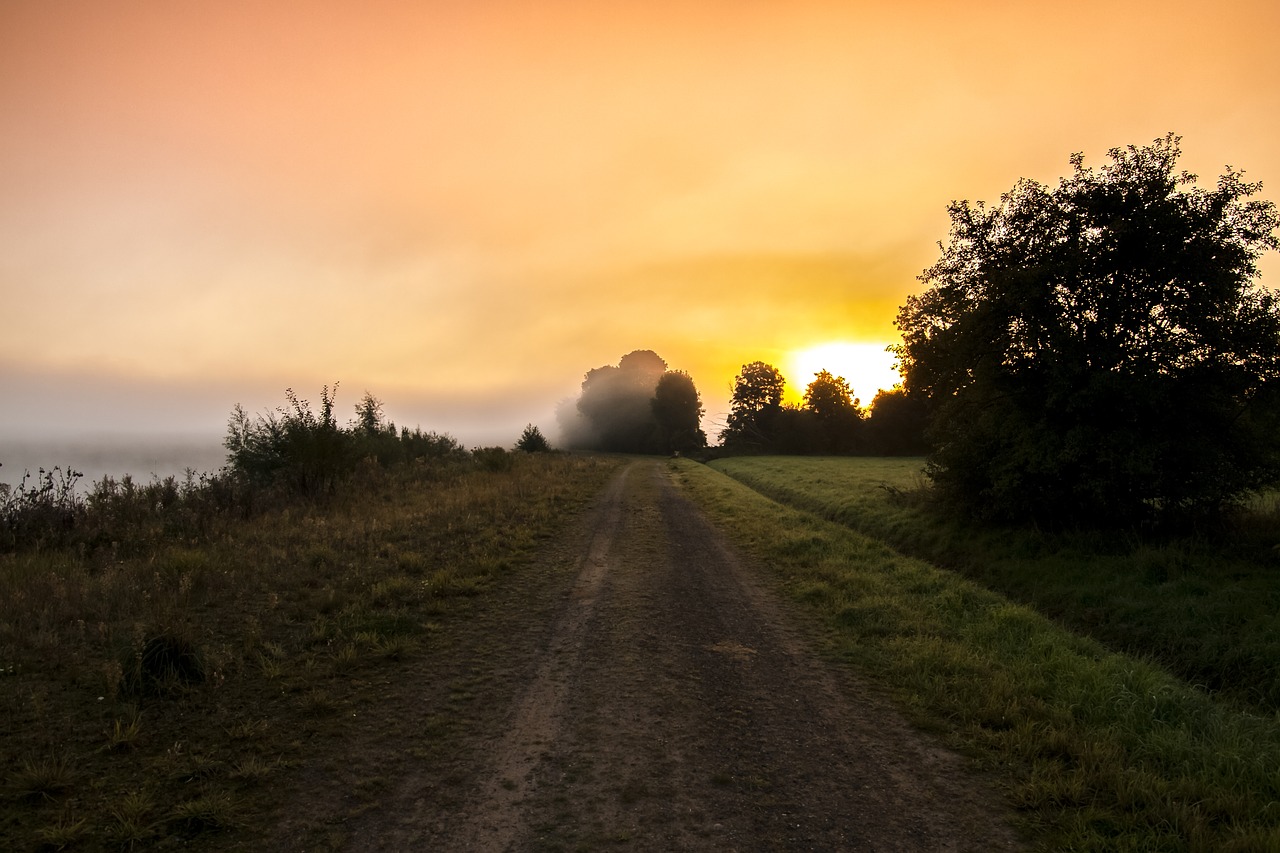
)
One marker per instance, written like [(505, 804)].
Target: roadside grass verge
[(1206, 608), (1097, 750), (159, 692)]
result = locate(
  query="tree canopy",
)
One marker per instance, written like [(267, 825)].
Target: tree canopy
[(828, 420), (754, 406), (895, 425), (830, 402), (637, 406), (1101, 350), (677, 408)]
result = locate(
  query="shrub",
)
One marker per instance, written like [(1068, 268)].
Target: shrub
[(493, 458), (293, 447), (533, 441), (165, 661), (40, 514)]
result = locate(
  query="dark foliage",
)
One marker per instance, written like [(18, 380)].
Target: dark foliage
[(289, 454), (829, 421), (39, 512), (308, 453), (493, 458), (754, 408), (836, 416), (895, 425), (304, 451), (533, 441), (1100, 352), (677, 409)]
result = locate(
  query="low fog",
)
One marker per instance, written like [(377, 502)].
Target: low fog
[(102, 427)]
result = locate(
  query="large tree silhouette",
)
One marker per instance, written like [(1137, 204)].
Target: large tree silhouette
[(830, 403), (677, 408), (1101, 351), (754, 407)]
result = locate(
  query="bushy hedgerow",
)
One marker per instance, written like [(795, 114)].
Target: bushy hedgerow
[(289, 453)]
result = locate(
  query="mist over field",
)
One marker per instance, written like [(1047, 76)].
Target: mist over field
[(160, 429), (94, 457)]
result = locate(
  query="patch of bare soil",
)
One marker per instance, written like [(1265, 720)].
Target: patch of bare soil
[(645, 690)]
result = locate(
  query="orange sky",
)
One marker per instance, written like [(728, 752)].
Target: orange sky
[(463, 206)]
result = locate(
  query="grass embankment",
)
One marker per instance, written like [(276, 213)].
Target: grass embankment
[(159, 691), (1207, 609), (1099, 750)]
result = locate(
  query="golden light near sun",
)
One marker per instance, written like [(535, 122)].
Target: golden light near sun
[(867, 368)]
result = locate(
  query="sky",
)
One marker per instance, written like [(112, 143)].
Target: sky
[(462, 207)]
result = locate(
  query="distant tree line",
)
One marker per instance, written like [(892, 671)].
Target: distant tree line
[(1098, 353), (828, 420), (635, 406)]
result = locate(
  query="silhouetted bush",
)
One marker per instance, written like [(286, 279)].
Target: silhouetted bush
[(896, 425), (417, 444), (41, 513), (533, 441), (293, 447), (284, 455), (493, 458)]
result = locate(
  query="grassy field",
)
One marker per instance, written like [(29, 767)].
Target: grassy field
[(155, 692), (1099, 750), (171, 689), (1206, 608)]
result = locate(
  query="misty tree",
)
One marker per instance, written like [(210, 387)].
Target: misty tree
[(1101, 351), (754, 406), (677, 408), (620, 408), (532, 440), (615, 403)]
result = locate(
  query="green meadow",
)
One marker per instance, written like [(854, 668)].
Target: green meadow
[(994, 639), (1206, 607)]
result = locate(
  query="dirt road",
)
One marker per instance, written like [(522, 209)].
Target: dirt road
[(664, 701)]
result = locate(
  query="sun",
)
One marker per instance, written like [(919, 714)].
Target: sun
[(867, 367)]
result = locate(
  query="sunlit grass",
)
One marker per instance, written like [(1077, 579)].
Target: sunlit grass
[(1207, 608), (1099, 750)]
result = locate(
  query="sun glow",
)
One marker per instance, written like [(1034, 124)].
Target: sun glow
[(867, 367)]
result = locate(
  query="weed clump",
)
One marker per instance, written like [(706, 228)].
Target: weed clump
[(39, 514), (42, 778), (209, 813), (165, 662)]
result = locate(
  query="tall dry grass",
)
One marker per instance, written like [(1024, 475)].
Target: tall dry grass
[(154, 676)]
